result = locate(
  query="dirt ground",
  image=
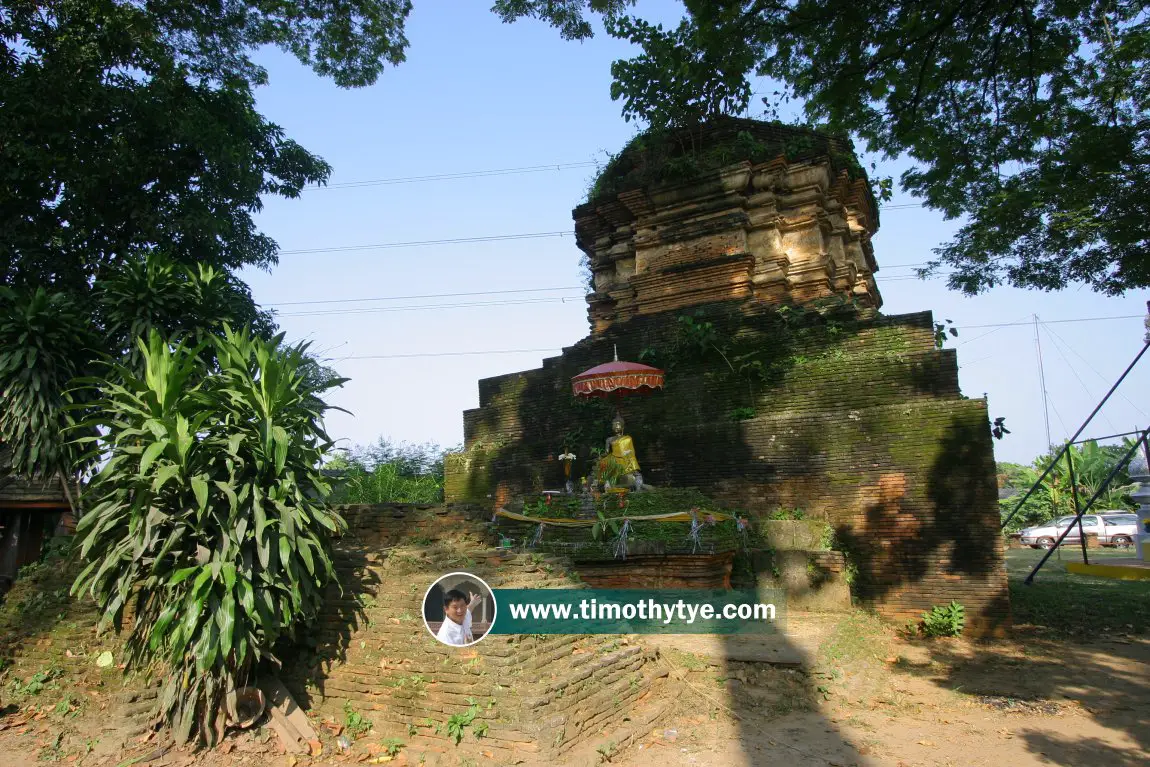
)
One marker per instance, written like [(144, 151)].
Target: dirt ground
[(928, 703), (863, 696)]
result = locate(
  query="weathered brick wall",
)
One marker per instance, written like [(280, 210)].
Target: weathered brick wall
[(538, 697), (864, 427), (789, 221)]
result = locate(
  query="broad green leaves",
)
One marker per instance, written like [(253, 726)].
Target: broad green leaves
[(45, 342), (209, 519)]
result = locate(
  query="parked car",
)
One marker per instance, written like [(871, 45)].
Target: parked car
[(1113, 529), (1121, 529)]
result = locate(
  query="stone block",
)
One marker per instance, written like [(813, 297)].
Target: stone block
[(807, 584), (788, 534)]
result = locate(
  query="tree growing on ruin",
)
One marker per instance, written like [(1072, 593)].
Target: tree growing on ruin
[(1028, 122)]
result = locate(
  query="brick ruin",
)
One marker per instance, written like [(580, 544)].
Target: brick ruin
[(814, 400), (538, 698)]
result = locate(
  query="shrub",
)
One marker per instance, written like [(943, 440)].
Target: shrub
[(209, 514), (944, 621), (390, 473)]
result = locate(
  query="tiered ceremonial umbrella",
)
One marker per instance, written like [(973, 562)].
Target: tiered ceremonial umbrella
[(617, 379)]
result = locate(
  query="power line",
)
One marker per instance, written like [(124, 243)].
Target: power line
[(532, 351), (1093, 397), (1092, 369), (445, 354), (418, 307), (491, 238), (984, 335), (426, 295), (451, 176), (453, 295), (422, 243), (560, 166), (1052, 322)]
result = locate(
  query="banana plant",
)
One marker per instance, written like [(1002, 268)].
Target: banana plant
[(605, 524), (208, 517)]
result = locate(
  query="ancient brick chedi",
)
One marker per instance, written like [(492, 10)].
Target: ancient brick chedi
[(778, 231), (751, 282)]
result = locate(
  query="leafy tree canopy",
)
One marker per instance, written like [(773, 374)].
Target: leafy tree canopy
[(1031, 120), (129, 128), (131, 162)]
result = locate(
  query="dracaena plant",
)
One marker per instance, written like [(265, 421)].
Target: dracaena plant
[(45, 341), (208, 517)]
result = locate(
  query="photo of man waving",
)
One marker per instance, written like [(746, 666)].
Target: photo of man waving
[(457, 609)]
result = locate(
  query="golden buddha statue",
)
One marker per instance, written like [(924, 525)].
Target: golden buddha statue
[(622, 449)]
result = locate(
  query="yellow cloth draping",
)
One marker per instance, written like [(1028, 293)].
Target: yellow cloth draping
[(674, 516)]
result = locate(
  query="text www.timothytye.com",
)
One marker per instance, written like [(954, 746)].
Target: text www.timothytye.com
[(649, 610)]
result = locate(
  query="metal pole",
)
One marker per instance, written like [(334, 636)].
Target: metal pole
[(1042, 382), (1101, 489), (1108, 436), (1078, 433), (1077, 511)]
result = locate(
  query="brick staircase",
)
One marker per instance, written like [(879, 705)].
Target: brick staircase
[(536, 699)]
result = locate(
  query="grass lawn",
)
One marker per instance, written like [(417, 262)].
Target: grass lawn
[(1065, 604)]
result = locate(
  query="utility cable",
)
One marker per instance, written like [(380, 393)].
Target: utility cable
[(1059, 415), (445, 354), (1092, 369), (1090, 394), (425, 295), (454, 240), (418, 307), (452, 176), (1051, 322), (984, 335)]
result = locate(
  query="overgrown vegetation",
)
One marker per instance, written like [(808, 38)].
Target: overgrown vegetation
[(388, 472), (745, 361), (355, 723), (609, 508), (1030, 121), (208, 514), (666, 155), (457, 723), (49, 338), (944, 620)]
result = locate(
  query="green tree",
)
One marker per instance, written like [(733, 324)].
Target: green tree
[(1038, 508), (132, 159), (1092, 465), (1031, 120), (146, 133), (49, 338), (1054, 496), (209, 517), (46, 340)]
